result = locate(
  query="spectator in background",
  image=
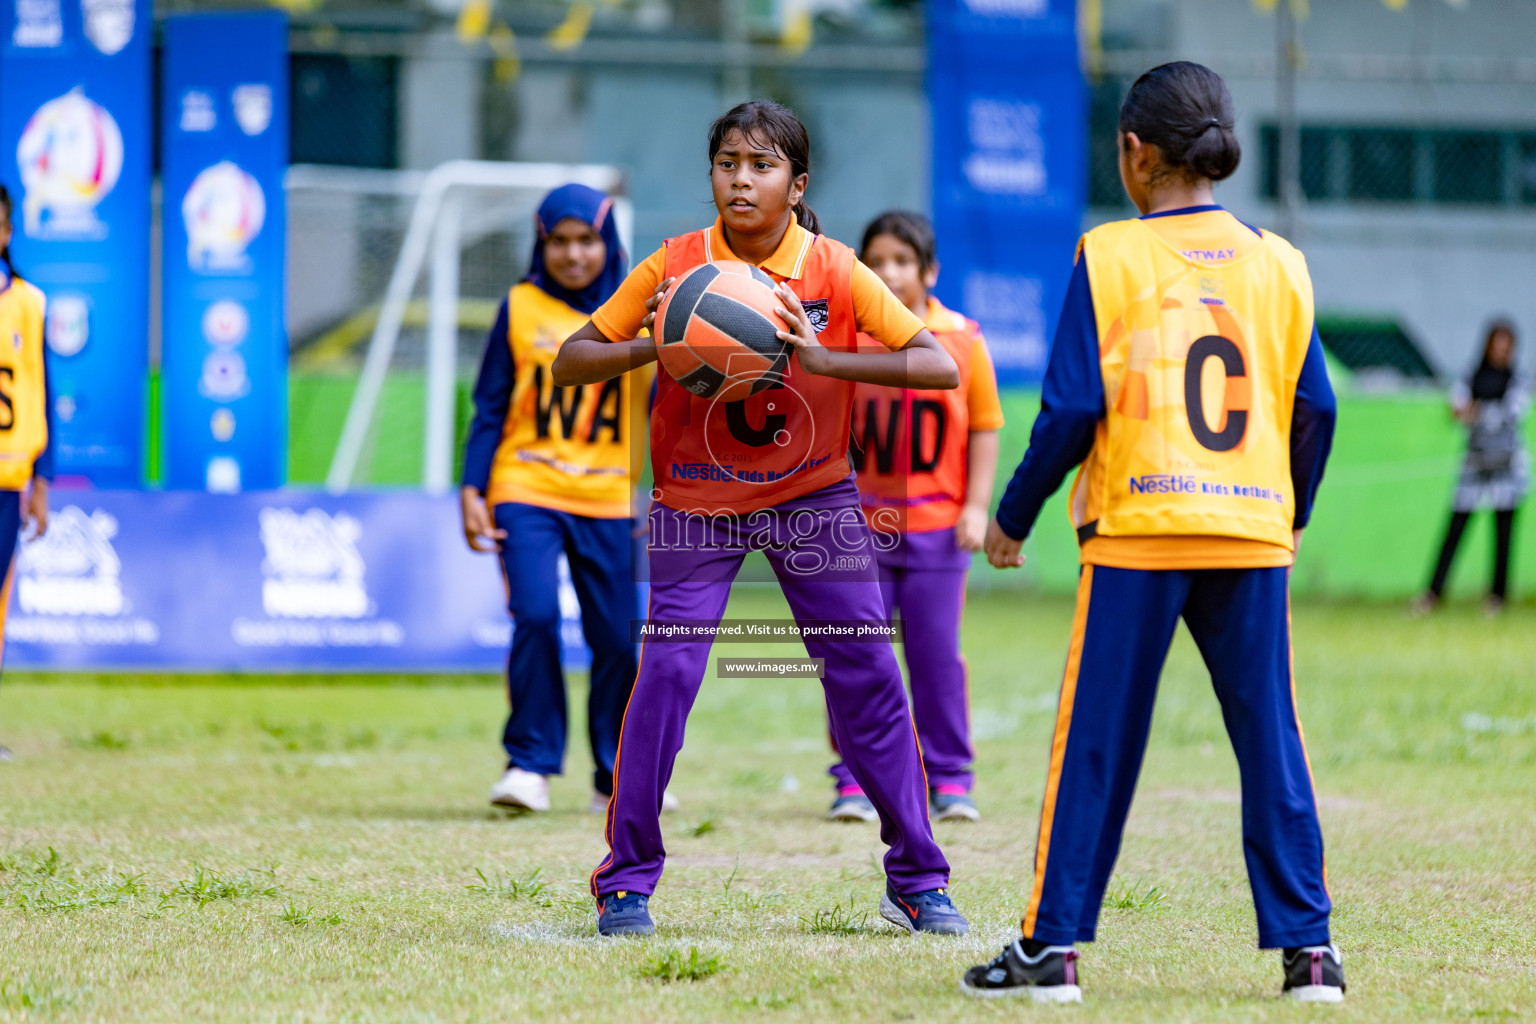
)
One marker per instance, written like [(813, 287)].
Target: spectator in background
[(1496, 472)]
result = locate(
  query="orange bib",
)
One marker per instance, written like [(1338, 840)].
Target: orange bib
[(910, 447), (717, 458)]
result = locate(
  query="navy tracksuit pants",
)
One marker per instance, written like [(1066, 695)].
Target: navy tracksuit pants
[(10, 532), (1240, 620), (601, 557)]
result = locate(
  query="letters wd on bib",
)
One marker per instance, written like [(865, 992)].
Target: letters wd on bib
[(75, 136), (1009, 152), (283, 580)]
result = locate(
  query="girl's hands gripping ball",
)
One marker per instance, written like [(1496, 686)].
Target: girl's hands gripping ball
[(802, 334), (653, 303)]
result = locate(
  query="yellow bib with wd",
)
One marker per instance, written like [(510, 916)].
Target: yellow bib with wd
[(23, 416), (1200, 363), (562, 448)]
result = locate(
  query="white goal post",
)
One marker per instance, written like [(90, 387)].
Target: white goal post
[(436, 229)]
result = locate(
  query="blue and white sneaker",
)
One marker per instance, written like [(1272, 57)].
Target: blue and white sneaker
[(931, 912), (852, 805), (951, 803), (624, 913)]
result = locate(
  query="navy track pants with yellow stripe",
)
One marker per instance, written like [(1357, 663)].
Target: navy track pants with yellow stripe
[(1240, 620)]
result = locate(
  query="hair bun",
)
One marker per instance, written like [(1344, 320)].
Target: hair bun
[(1174, 107)]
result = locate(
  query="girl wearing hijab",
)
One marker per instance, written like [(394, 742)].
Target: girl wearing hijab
[(550, 470), (1496, 472)]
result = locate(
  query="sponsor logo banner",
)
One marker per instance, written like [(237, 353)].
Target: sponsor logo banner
[(277, 580), (75, 81), (224, 351), (1009, 109)]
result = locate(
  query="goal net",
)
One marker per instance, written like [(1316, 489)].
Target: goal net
[(394, 278)]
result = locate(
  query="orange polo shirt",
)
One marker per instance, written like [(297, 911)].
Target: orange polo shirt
[(879, 313)]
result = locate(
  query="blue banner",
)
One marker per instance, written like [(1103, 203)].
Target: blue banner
[(75, 153), (224, 349), (1009, 111), (274, 581)]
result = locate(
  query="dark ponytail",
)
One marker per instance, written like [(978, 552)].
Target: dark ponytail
[(1185, 110), (772, 126), (5, 250)]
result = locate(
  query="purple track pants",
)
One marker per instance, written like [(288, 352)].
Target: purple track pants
[(821, 551), (923, 577)]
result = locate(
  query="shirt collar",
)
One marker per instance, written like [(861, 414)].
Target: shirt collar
[(942, 318), (787, 261), (1207, 208)]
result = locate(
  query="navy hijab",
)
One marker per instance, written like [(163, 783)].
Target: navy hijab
[(592, 207)]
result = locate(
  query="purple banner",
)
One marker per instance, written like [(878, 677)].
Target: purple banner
[(264, 581)]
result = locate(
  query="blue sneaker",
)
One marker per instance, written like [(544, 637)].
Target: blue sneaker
[(951, 803), (931, 912), (624, 913), (852, 805)]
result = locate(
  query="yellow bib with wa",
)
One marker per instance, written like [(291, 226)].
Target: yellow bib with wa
[(562, 448), (23, 412), (1200, 363)]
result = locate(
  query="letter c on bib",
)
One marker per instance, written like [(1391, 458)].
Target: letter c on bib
[(1234, 410)]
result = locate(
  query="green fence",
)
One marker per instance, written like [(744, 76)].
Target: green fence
[(1379, 515)]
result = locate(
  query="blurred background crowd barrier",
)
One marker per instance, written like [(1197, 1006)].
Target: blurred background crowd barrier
[(1394, 142)]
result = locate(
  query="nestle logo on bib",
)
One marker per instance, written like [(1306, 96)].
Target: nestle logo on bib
[(1163, 483)]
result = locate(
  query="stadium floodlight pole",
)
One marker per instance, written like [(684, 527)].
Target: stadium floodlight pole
[(402, 281), (1288, 58), (736, 41)]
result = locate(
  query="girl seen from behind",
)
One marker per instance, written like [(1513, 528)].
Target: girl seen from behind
[(1187, 386)]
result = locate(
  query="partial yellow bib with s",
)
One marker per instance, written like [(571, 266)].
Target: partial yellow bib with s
[(1200, 363), (23, 401)]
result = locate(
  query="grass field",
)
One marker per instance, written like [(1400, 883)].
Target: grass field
[(307, 850)]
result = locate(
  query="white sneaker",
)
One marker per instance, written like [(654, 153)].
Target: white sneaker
[(528, 791), (599, 804)]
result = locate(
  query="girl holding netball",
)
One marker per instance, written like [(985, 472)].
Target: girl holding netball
[(925, 461), (1187, 384), (548, 470), (26, 443), (769, 473)]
